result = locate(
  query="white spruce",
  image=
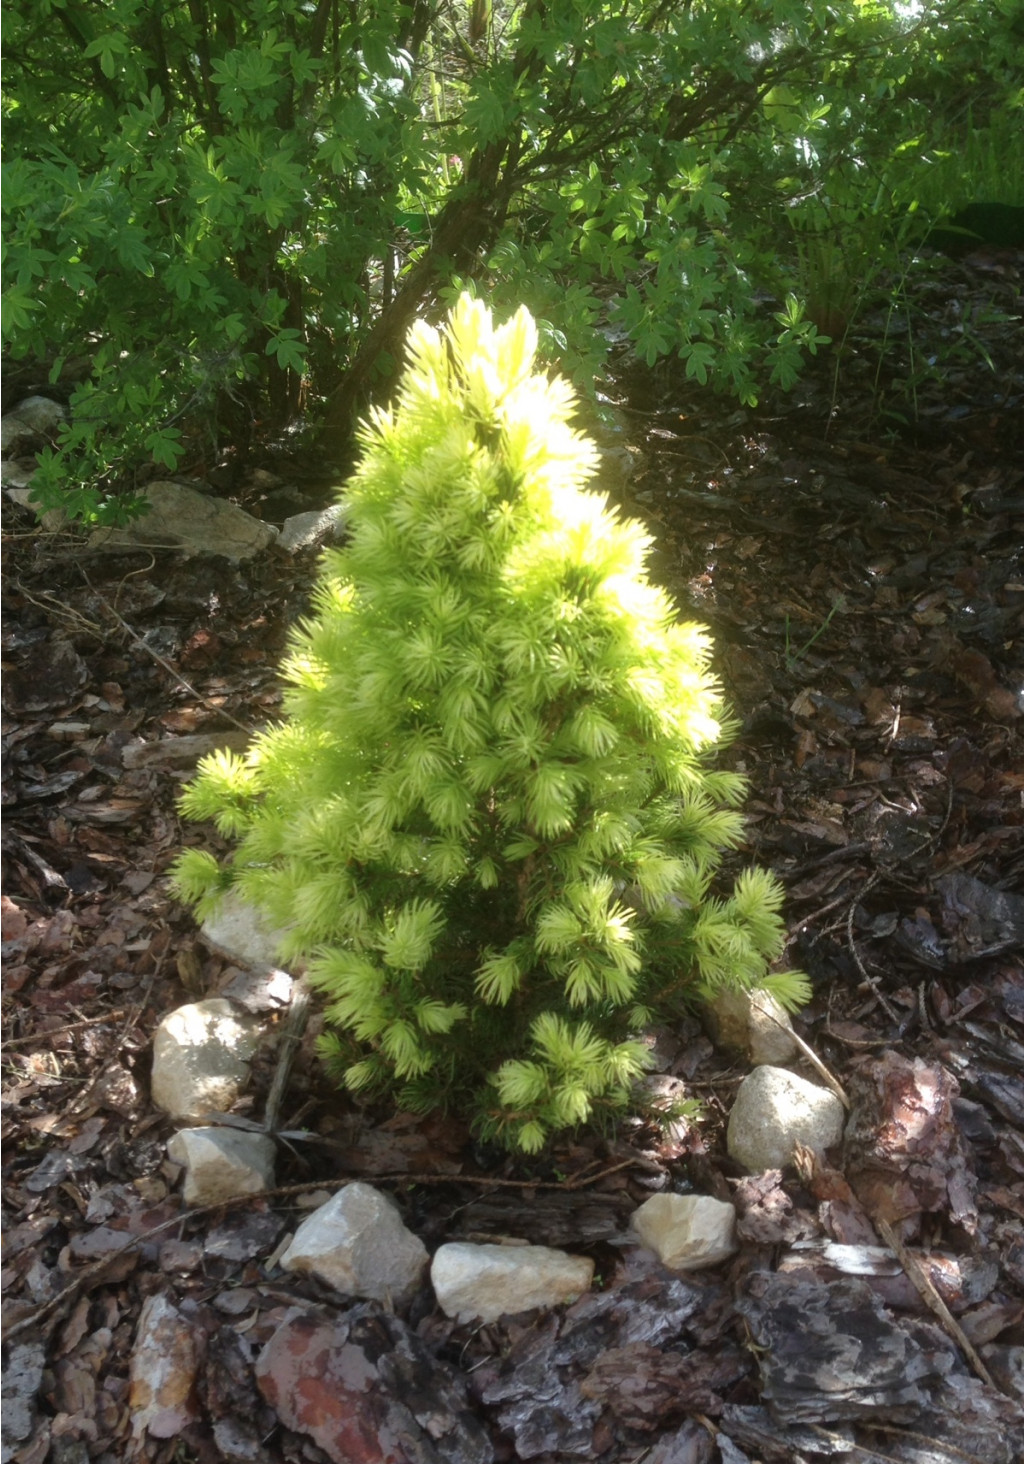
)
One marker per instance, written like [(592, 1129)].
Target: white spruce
[(487, 820)]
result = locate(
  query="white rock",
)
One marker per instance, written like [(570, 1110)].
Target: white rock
[(753, 1023), (484, 1282), (201, 1058), (16, 477), (320, 526), (239, 931), (40, 413), (358, 1244), (775, 1110), (14, 435), (195, 523), (221, 1163), (35, 417), (687, 1232), (53, 520)]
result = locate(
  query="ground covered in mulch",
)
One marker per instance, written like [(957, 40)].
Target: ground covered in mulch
[(856, 548)]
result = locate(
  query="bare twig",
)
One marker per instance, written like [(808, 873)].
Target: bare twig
[(291, 1036), (813, 1058), (171, 671), (871, 980), (47, 1036)]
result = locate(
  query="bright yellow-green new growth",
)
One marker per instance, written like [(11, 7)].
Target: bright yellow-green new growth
[(486, 820)]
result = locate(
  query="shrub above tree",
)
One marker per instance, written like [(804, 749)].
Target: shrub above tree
[(225, 217)]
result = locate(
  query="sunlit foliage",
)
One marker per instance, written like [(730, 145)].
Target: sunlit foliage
[(488, 821)]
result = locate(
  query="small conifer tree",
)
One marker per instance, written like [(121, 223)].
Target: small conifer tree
[(487, 820)]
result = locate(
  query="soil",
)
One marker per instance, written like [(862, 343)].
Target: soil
[(856, 549)]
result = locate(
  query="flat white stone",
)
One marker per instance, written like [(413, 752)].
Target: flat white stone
[(775, 1110), (358, 1244), (484, 1282), (221, 1163), (195, 523), (319, 526), (687, 1232), (201, 1057)]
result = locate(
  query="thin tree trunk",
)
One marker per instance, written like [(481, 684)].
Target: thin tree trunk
[(469, 223)]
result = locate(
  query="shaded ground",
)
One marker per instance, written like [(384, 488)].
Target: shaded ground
[(863, 580)]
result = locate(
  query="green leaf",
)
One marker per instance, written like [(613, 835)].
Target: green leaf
[(18, 308), (165, 446), (699, 358), (133, 250), (108, 47), (484, 114), (288, 346)]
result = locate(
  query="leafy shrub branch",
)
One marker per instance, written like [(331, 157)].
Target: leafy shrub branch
[(227, 212)]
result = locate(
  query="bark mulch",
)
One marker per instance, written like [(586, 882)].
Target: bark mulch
[(856, 549)]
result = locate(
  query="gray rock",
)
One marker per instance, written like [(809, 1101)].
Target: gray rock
[(35, 417), (687, 1232), (221, 1163), (40, 413), (321, 526), (16, 475), (752, 1022), (775, 1110), (53, 519), (239, 931), (357, 1244), (201, 1058), (484, 1282), (14, 435), (180, 752), (22, 1379), (185, 519)]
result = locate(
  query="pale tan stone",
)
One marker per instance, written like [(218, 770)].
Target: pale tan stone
[(484, 1282)]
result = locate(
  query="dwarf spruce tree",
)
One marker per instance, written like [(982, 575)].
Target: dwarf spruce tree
[(486, 820)]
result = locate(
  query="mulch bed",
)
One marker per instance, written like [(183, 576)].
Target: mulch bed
[(862, 577)]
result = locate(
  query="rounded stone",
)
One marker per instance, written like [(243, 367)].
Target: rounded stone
[(754, 1023), (201, 1058), (687, 1232), (774, 1111)]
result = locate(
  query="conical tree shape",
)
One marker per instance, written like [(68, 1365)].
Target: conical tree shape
[(486, 820)]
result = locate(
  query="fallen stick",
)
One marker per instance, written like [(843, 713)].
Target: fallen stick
[(931, 1298)]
